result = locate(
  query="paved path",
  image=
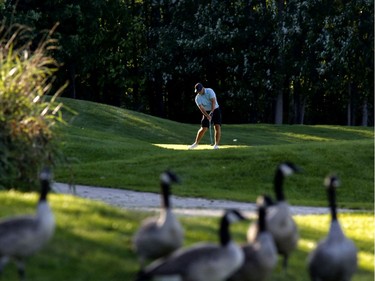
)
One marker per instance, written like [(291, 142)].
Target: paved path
[(182, 205)]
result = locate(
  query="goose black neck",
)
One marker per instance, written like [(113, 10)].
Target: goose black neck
[(262, 219), (44, 190), (224, 231), (165, 193), (332, 202), (278, 185)]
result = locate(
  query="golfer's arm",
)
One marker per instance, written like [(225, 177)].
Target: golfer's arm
[(213, 102), (204, 112)]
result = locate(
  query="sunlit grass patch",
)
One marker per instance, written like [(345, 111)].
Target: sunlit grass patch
[(358, 227), (93, 240), (199, 147), (306, 137)]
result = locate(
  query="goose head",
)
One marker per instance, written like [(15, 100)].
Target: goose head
[(45, 177), (230, 216), (283, 170), (168, 177), (166, 180), (331, 183), (265, 201), (262, 203)]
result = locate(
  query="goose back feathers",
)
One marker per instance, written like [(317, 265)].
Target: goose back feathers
[(261, 254), (279, 220), (22, 236), (202, 261), (158, 237)]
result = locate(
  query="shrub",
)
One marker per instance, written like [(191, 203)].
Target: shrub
[(27, 114)]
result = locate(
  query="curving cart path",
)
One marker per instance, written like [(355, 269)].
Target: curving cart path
[(147, 201)]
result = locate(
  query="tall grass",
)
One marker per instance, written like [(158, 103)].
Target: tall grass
[(26, 118)]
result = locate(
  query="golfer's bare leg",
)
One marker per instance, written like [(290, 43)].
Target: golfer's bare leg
[(200, 134), (217, 134)]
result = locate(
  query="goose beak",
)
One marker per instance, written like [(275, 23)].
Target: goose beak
[(296, 168), (169, 177), (174, 177)]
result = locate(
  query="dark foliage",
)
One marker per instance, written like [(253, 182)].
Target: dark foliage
[(147, 55)]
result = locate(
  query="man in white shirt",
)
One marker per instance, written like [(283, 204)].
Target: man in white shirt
[(208, 105)]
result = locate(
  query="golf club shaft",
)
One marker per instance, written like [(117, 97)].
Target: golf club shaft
[(211, 130)]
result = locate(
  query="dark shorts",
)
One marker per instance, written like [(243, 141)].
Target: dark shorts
[(216, 119)]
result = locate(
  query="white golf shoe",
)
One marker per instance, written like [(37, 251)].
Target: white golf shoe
[(194, 145)]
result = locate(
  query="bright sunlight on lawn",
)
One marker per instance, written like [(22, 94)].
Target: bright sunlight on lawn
[(93, 240), (200, 147)]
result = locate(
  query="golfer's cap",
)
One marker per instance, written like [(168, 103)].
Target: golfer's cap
[(198, 87)]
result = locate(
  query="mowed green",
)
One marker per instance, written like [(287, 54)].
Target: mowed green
[(113, 147)]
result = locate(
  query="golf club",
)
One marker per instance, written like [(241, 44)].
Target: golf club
[(210, 128)]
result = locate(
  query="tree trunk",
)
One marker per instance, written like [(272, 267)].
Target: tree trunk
[(279, 108), (302, 111), (364, 113), (349, 110), (299, 101), (299, 111), (280, 95)]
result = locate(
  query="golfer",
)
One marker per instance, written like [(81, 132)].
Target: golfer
[(208, 105)]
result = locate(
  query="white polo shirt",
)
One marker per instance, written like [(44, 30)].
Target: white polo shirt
[(205, 99)]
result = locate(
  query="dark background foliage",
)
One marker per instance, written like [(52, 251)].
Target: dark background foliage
[(295, 61)]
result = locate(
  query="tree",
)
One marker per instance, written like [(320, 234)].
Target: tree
[(269, 61), (348, 55)]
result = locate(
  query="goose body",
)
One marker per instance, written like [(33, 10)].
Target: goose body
[(158, 237), (260, 255), (279, 220), (335, 257), (202, 261), (22, 236), (283, 228)]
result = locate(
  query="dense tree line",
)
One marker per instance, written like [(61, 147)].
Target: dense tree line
[(274, 61)]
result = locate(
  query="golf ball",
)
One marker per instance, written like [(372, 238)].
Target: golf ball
[(234, 139)]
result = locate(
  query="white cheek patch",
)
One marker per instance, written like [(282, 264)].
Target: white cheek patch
[(335, 182), (232, 217), (164, 177), (286, 170)]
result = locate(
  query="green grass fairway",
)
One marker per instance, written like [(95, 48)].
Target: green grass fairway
[(114, 147)]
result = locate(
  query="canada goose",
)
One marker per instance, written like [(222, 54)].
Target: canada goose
[(335, 257), (261, 254), (202, 261), (160, 236), (279, 219), (22, 236)]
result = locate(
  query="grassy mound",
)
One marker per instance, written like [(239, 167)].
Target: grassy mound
[(113, 147)]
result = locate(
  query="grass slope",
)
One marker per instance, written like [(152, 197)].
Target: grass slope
[(93, 240), (113, 147), (108, 146)]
